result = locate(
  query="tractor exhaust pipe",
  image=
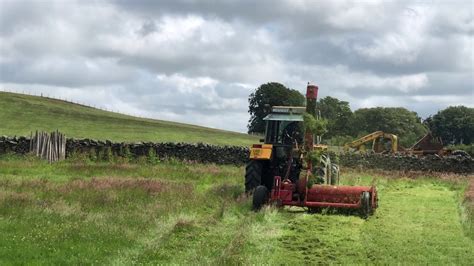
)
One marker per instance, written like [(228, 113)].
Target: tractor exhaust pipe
[(311, 99)]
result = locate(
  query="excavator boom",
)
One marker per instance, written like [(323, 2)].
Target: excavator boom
[(375, 138)]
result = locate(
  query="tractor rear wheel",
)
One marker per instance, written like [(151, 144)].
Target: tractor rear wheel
[(260, 197), (253, 175), (365, 208)]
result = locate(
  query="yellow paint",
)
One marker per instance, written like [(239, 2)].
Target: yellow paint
[(263, 153), (320, 147)]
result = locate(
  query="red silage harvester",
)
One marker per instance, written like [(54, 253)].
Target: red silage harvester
[(280, 172)]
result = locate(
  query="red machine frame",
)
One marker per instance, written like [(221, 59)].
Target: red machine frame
[(320, 196)]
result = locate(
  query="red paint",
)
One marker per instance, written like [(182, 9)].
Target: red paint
[(312, 91), (349, 197)]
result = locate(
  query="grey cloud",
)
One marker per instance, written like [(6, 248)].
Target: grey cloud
[(438, 84), (68, 72), (147, 28), (328, 33), (197, 61)]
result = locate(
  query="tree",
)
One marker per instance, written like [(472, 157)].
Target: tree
[(270, 94), (455, 125), (399, 121), (339, 115)]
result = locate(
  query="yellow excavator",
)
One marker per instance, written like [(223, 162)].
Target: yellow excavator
[(379, 141)]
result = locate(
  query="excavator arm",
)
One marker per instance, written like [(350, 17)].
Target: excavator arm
[(375, 138)]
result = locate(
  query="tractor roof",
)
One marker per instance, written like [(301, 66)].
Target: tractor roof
[(284, 117), (288, 109), (286, 113)]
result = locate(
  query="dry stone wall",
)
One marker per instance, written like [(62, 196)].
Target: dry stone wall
[(453, 164), (18, 145), (202, 153), (205, 153)]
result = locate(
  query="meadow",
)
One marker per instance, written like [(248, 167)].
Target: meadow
[(22, 114), (152, 212)]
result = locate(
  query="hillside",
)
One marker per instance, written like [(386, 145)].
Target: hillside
[(20, 114)]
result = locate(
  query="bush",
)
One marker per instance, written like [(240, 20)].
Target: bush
[(126, 153), (340, 140), (152, 157)]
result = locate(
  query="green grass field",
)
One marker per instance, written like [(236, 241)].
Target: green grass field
[(21, 114), (79, 212)]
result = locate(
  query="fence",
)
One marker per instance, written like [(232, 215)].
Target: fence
[(51, 147), (72, 101)]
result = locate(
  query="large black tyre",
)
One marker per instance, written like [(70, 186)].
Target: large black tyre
[(365, 206), (260, 197), (253, 175)]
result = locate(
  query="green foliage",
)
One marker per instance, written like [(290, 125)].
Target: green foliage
[(126, 153), (339, 116), (317, 126), (22, 114), (76, 156), (152, 158), (104, 154), (399, 121), (315, 157), (270, 94), (340, 140), (455, 125), (311, 107), (93, 154)]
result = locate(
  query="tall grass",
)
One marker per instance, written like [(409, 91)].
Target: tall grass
[(83, 212)]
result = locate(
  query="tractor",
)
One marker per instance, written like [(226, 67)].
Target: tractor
[(281, 171)]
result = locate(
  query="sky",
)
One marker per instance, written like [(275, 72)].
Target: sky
[(197, 61)]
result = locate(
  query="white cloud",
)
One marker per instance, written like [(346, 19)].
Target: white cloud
[(197, 62), (404, 43)]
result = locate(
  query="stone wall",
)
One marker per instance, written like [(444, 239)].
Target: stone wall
[(204, 153), (454, 164), (18, 145)]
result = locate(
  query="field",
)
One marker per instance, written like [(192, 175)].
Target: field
[(21, 114), (80, 212)]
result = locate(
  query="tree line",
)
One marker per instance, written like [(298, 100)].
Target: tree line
[(454, 125)]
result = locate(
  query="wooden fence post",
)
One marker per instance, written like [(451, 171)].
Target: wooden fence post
[(51, 147)]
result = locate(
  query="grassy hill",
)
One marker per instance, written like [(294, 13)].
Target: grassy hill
[(20, 114)]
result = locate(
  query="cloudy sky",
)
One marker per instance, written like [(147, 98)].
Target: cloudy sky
[(197, 61)]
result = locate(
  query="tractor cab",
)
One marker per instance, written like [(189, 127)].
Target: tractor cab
[(284, 132), (281, 148), (284, 126)]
